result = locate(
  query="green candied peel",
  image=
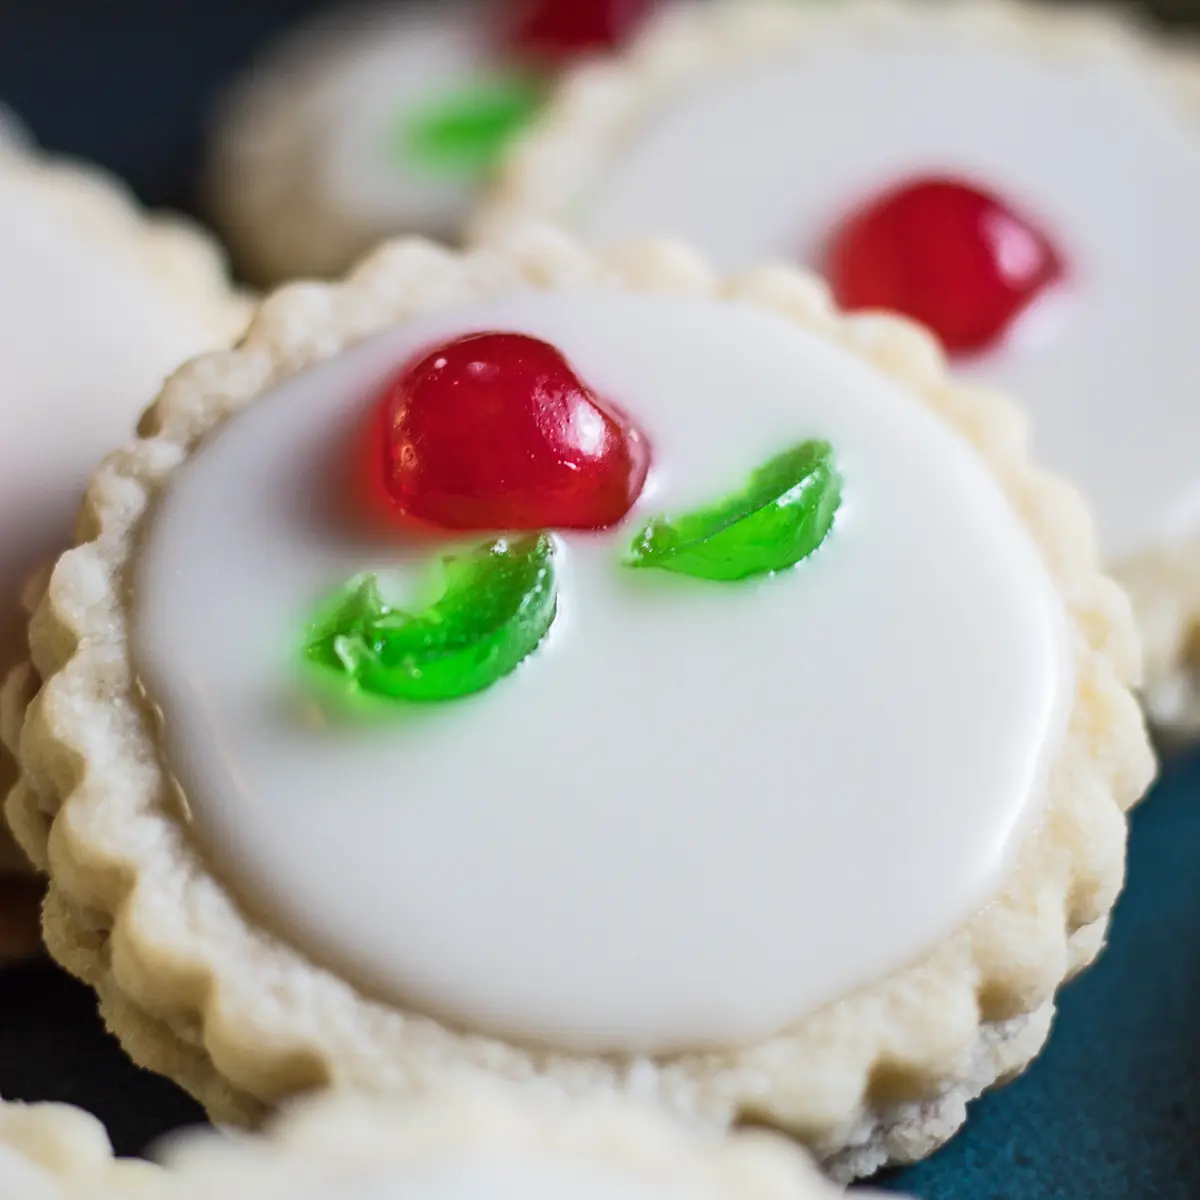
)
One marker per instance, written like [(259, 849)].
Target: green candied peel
[(463, 133), (497, 605), (783, 515)]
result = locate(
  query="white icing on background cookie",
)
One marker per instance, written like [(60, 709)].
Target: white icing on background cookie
[(607, 850), (12, 131), (760, 161), (363, 108), (309, 166), (88, 333)]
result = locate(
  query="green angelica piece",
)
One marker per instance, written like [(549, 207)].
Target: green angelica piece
[(464, 133), (783, 515), (497, 605)]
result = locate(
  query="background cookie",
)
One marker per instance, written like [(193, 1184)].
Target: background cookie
[(97, 305), (385, 119), (1020, 180), (482, 1142)]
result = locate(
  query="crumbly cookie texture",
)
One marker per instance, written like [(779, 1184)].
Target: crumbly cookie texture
[(552, 164), (343, 1137), (55, 1152), (189, 267), (198, 991)]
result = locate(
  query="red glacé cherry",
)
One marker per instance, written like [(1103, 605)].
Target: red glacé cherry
[(495, 431), (558, 30), (946, 254)]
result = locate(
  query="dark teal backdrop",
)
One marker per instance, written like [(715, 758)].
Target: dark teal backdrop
[(1111, 1110)]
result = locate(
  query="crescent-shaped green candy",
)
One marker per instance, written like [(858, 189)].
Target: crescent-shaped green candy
[(498, 604), (463, 133), (782, 516)]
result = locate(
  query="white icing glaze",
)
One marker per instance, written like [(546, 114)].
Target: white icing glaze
[(477, 1177), (761, 162), (87, 336), (701, 811), (352, 116)]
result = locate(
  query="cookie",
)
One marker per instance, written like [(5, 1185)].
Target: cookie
[(968, 164), (385, 119), (98, 304), (482, 1141), (56, 1152), (771, 766)]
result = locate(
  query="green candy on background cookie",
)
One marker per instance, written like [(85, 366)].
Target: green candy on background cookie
[(385, 119), (583, 669), (1022, 179)]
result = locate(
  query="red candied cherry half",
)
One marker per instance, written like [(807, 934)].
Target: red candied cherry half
[(559, 30), (495, 431), (947, 254)]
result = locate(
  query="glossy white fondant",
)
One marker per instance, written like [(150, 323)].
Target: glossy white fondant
[(700, 811)]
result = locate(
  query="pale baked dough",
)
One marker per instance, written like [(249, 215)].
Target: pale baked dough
[(56, 1152), (176, 252), (196, 990), (264, 180), (597, 105), (337, 1137)]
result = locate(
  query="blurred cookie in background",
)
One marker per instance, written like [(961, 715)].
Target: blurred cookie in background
[(385, 119)]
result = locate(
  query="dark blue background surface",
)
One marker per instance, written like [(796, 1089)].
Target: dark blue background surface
[(1111, 1109)]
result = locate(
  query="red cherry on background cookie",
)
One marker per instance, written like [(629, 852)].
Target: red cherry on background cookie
[(495, 431), (558, 30), (947, 254)]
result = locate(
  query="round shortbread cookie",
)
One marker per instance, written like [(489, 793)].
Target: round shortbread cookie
[(98, 304), (813, 849), (381, 119), (1084, 131)]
